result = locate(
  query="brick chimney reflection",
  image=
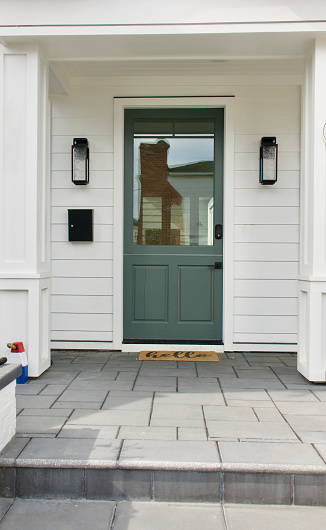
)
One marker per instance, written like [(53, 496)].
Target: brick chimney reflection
[(154, 183)]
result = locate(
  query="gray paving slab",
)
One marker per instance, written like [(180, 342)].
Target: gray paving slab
[(53, 390), (28, 389), (321, 448), (188, 398), (148, 433), (47, 412), (177, 422), (229, 413), (207, 371), (177, 411), (88, 431), (255, 373), (110, 417), (198, 387), (59, 377), (250, 403), (14, 447), (269, 453), (302, 408), (96, 377), (130, 394), (4, 506), (35, 402), (307, 423), (49, 450), (192, 433), (159, 381), (250, 383), (92, 405), (268, 414), (59, 514), (162, 516), (274, 517), (126, 376), (246, 394), (320, 394), (292, 395), (39, 424), (249, 430), (312, 437), (133, 402), (101, 384), (148, 453), (80, 395), (78, 366), (306, 386)]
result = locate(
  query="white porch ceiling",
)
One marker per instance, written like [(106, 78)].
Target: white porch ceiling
[(174, 54)]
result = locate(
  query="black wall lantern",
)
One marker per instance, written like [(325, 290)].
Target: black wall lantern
[(268, 160), (80, 161)]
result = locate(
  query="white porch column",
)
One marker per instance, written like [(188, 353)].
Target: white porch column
[(312, 279), (24, 203)]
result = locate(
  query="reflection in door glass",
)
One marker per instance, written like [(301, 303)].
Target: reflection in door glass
[(173, 188)]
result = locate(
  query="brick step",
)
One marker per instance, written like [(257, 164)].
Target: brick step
[(300, 485)]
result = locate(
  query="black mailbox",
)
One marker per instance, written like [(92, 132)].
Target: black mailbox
[(80, 225)]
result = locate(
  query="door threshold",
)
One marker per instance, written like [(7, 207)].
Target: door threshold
[(170, 341), (139, 346)]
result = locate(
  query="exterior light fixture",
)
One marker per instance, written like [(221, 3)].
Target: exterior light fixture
[(268, 160), (80, 161)]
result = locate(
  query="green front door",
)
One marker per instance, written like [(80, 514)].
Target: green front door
[(173, 246)]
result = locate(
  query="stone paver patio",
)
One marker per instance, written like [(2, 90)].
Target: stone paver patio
[(248, 413)]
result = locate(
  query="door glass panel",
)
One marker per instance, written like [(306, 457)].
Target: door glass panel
[(173, 183)]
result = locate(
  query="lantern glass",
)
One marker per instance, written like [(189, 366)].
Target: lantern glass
[(268, 161), (80, 161)]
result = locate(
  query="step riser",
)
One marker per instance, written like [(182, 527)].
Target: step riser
[(163, 486)]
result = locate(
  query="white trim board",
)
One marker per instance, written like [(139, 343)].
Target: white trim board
[(120, 104)]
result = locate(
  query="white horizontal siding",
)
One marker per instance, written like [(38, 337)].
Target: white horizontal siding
[(64, 304), (97, 144), (265, 338), (266, 218), (89, 268), (86, 286), (102, 214), (84, 336), (266, 234), (265, 288), (82, 197), (94, 322), (82, 126), (275, 215), (100, 179), (266, 323), (85, 250), (250, 179), (266, 251), (265, 270), (265, 306), (100, 232)]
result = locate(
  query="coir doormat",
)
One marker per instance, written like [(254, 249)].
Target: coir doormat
[(178, 356)]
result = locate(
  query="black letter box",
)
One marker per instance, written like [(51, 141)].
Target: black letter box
[(80, 225)]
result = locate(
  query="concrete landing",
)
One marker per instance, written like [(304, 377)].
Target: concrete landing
[(104, 515), (104, 426)]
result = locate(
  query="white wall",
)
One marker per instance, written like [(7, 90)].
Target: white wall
[(36, 12), (266, 219)]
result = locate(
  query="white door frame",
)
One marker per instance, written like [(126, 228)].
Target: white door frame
[(120, 104)]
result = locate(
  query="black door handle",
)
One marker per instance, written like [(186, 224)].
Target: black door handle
[(217, 265), (218, 231)]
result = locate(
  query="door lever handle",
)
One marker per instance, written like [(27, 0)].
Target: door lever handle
[(217, 265), (218, 231)]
